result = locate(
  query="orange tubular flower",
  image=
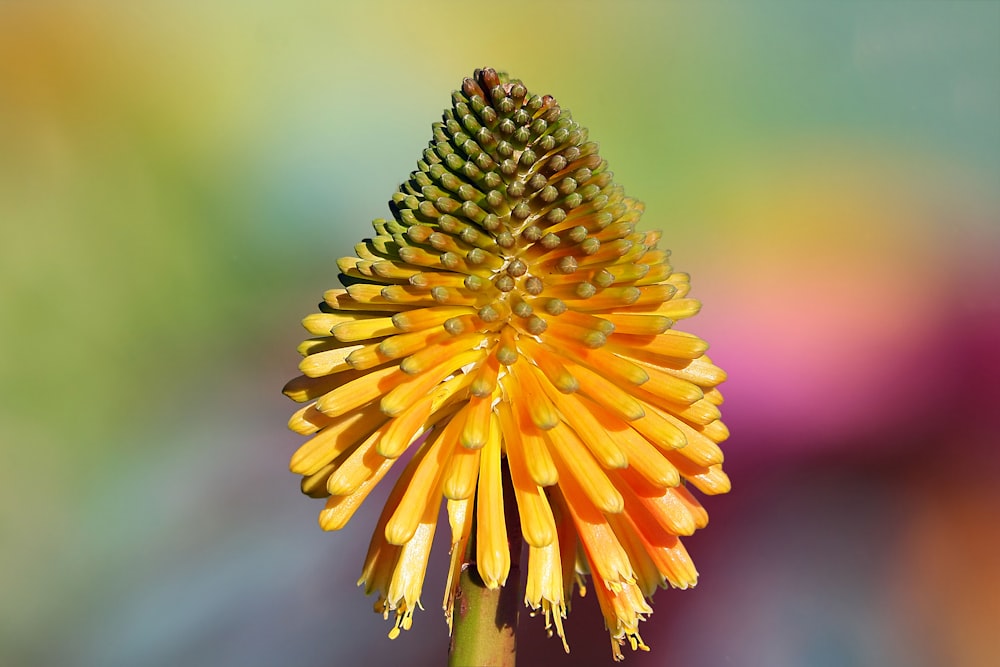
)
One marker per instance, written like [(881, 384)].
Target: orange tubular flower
[(512, 314)]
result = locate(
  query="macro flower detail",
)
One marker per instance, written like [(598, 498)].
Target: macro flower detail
[(511, 318)]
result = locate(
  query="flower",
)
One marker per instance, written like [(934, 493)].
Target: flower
[(511, 314)]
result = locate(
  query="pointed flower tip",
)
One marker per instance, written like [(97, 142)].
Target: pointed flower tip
[(510, 313)]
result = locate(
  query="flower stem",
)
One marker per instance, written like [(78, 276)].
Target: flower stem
[(485, 621)]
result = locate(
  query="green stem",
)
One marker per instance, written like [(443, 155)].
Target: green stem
[(485, 621)]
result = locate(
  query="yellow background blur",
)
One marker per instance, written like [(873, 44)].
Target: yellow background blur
[(177, 179)]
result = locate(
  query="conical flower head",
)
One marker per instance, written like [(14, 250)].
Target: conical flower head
[(512, 314)]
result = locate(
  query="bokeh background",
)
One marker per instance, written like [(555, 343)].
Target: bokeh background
[(178, 178)]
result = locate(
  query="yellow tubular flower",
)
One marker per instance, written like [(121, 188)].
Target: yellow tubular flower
[(511, 316)]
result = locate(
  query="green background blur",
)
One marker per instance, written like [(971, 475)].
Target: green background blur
[(178, 178)]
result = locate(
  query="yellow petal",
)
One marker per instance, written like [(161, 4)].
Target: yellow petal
[(529, 393), (537, 524), (401, 430), (699, 414), (647, 576), (538, 460), (304, 388), (326, 362), (671, 344), (363, 390), (321, 344), (670, 387), (713, 395), (623, 608), (663, 548), (655, 427), (320, 324), (581, 418), (682, 281), (700, 371), (368, 356), (405, 393), (544, 587), (406, 344), (507, 347), (433, 355), (654, 295), (430, 279), (560, 328), (492, 551), (715, 431), (700, 450), (484, 380), (394, 270), (572, 458), (618, 369), (420, 489), (314, 485), (343, 433), (460, 519), (307, 420), (461, 472), (339, 300), (663, 505), (356, 468), (549, 364), (693, 506), (408, 577), (448, 392), (604, 553), (641, 455), (340, 509), (476, 422), (678, 309), (408, 294), (711, 480), (638, 324), (587, 321), (425, 318), (609, 299), (362, 329), (606, 393)]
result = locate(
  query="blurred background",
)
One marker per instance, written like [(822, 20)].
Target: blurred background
[(177, 180)]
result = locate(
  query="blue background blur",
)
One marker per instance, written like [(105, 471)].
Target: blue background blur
[(177, 179)]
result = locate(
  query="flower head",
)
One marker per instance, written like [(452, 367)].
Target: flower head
[(511, 313)]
